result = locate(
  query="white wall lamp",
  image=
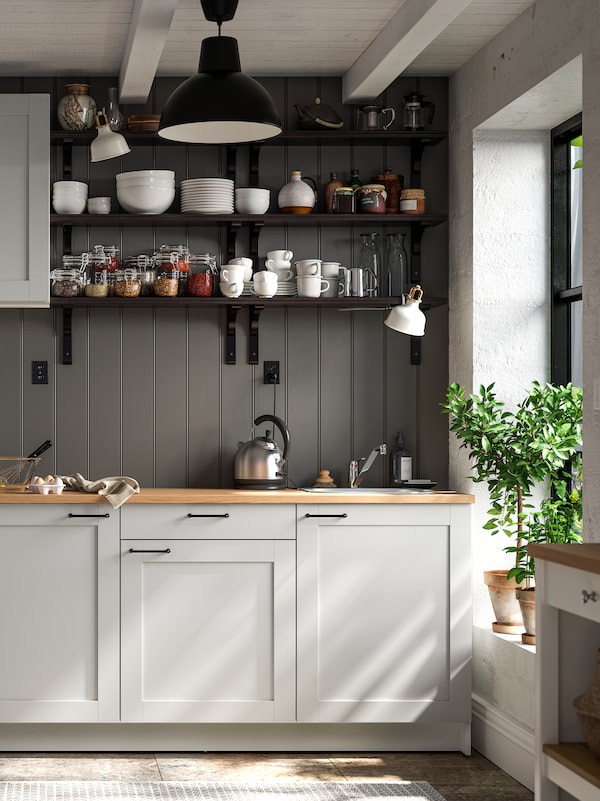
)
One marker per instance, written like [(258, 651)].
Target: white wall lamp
[(219, 105), (108, 144), (408, 318)]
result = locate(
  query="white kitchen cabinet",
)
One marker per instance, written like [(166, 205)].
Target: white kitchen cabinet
[(59, 615), (208, 625), (25, 199), (384, 615), (567, 642)]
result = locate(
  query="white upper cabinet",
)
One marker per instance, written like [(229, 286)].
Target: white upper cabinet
[(25, 200)]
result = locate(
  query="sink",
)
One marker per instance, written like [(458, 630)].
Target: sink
[(364, 490)]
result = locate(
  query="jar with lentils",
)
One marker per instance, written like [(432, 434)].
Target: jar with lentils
[(127, 283)]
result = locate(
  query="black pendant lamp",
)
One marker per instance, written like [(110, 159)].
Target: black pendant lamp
[(219, 105)]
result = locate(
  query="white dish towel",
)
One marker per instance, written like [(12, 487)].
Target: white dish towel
[(116, 489)]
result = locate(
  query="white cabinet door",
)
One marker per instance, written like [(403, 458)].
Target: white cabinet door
[(59, 613), (25, 199), (384, 624), (208, 631)]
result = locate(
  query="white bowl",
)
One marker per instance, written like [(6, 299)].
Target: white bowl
[(145, 199), (146, 182), (65, 204), (98, 205), (70, 186), (161, 174), (251, 200)]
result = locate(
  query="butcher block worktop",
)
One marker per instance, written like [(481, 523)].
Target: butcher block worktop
[(289, 496)]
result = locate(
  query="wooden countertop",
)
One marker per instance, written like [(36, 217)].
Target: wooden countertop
[(290, 496), (580, 555)]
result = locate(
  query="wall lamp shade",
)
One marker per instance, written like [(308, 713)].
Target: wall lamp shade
[(408, 318), (108, 144), (219, 105)]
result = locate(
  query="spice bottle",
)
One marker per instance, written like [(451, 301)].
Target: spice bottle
[(329, 193), (401, 461)]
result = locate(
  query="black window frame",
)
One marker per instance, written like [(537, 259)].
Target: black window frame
[(563, 293)]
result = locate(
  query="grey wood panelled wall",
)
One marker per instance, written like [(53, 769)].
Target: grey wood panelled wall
[(148, 393)]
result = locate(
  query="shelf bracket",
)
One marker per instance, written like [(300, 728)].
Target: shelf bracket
[(230, 161), (67, 239), (415, 350), (416, 152), (253, 334), (255, 149), (255, 229), (67, 336), (232, 232), (232, 313), (67, 153), (416, 235)]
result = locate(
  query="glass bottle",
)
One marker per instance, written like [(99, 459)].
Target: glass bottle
[(397, 266), (329, 193), (401, 461), (114, 115), (355, 181), (369, 260)]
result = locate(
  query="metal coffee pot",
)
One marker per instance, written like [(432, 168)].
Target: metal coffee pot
[(416, 112), (373, 118), (258, 463)]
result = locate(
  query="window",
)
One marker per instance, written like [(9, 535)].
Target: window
[(566, 252)]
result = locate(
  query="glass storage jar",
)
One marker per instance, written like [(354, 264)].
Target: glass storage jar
[(66, 283), (97, 285), (127, 283), (166, 283), (174, 258), (201, 278), (146, 270)]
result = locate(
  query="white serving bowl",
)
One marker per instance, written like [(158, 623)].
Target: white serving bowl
[(251, 200), (146, 182), (72, 187), (67, 204), (164, 175), (145, 199)]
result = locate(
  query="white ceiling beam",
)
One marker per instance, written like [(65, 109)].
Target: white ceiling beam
[(414, 26), (148, 31)]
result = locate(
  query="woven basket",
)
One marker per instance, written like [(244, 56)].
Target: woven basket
[(587, 708)]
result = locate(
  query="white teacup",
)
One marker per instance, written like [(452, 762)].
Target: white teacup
[(330, 269), (234, 273), (282, 275), (280, 255), (247, 268), (265, 284), (308, 267), (244, 260), (231, 289), (311, 286)]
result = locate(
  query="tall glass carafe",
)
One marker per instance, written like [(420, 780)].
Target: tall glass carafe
[(397, 266), (369, 260)]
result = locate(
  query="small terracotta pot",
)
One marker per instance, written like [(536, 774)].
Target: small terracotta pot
[(509, 619)]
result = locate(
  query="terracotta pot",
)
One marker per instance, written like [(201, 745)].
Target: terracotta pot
[(509, 619), (526, 599)]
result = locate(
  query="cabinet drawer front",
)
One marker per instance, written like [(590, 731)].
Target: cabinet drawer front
[(209, 521), (573, 590), (341, 514)]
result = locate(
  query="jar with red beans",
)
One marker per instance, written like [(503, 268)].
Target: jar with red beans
[(201, 279)]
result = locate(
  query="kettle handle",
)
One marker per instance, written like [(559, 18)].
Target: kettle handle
[(270, 418), (431, 107)]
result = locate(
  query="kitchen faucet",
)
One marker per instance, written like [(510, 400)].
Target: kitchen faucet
[(355, 476)]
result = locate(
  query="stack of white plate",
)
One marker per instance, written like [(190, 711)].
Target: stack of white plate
[(207, 196), (286, 288)]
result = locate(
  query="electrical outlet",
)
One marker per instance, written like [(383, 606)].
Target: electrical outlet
[(271, 372), (39, 372)]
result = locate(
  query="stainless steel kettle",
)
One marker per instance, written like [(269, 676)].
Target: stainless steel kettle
[(258, 463)]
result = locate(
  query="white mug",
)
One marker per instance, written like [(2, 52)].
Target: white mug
[(311, 286), (233, 273), (231, 289), (308, 267), (265, 284), (330, 269), (282, 273), (243, 260), (277, 264), (280, 255)]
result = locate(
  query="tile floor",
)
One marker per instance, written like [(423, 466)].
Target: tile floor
[(455, 776)]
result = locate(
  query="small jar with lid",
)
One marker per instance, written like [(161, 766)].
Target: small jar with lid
[(412, 201), (127, 283), (344, 200), (97, 285), (146, 270), (174, 258), (371, 199), (66, 283), (166, 283), (201, 278)]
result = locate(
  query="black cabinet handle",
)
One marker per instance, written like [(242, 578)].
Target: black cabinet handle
[(342, 515), (104, 515), (223, 515), (147, 550)]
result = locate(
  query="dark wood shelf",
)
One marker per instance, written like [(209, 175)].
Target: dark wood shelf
[(336, 137), (307, 220), (278, 301)]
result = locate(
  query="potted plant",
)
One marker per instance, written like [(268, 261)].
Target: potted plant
[(517, 453)]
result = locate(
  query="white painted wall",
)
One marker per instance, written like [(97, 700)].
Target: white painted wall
[(540, 71)]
